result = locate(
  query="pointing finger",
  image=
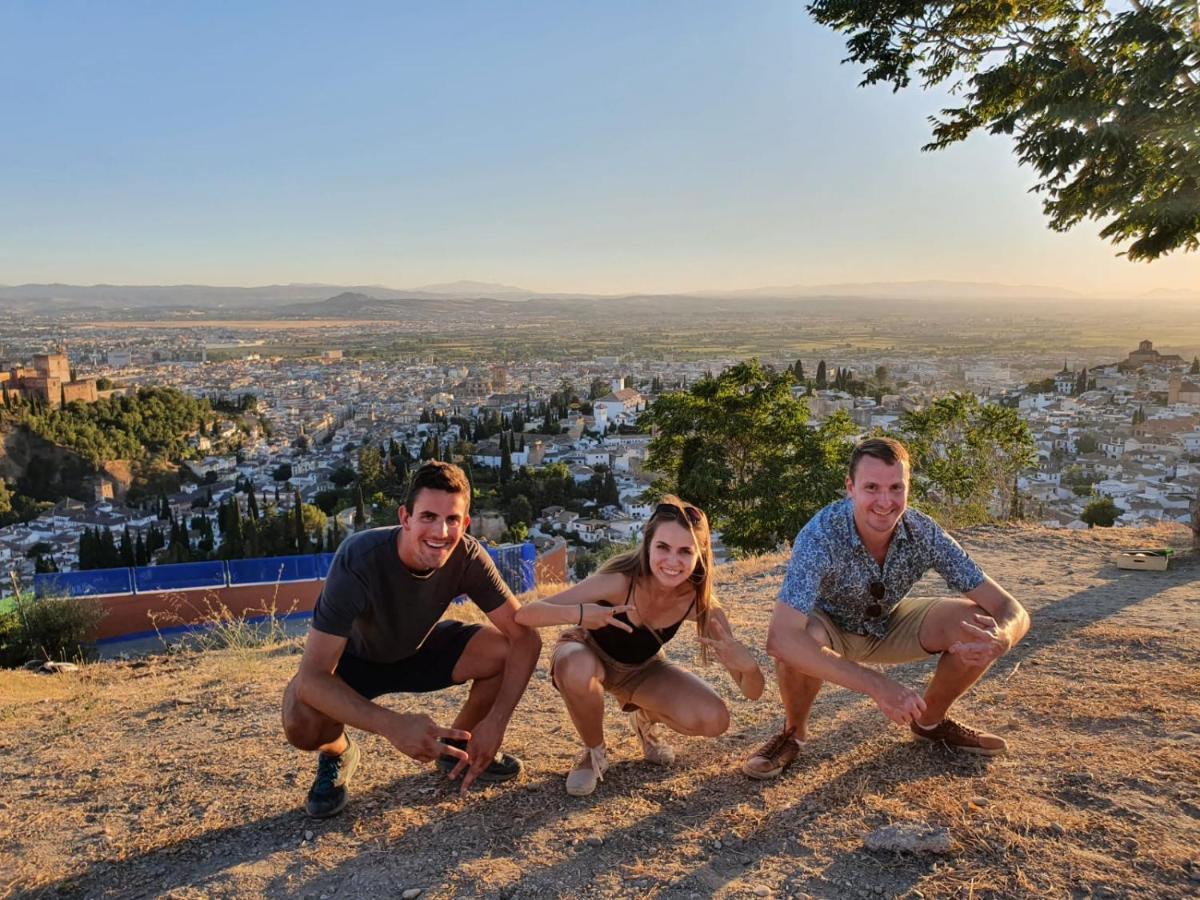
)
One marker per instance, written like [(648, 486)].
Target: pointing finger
[(456, 734), (617, 623)]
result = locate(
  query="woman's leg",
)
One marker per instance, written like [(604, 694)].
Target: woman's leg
[(579, 675), (674, 696)]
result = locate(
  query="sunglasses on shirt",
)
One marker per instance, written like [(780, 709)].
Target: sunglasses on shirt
[(878, 592)]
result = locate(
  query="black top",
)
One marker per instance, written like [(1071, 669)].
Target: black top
[(636, 647), (383, 609)]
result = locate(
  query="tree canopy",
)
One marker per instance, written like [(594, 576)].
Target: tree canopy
[(1103, 100), (739, 446)]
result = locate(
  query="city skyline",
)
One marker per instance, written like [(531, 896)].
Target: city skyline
[(611, 150)]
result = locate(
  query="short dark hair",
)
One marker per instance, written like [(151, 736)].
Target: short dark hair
[(437, 476), (888, 450)]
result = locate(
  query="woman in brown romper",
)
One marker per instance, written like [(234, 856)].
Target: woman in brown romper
[(622, 616)]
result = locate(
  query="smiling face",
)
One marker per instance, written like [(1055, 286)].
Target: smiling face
[(433, 529), (879, 492), (673, 555)]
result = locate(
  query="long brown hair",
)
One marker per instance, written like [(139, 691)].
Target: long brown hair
[(635, 563)]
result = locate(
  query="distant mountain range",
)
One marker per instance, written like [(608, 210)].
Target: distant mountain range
[(322, 300)]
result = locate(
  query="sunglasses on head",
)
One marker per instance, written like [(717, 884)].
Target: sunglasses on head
[(878, 592), (687, 511)]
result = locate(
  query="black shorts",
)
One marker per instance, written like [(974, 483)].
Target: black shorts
[(431, 668)]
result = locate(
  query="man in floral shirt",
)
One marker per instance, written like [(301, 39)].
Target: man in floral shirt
[(844, 604)]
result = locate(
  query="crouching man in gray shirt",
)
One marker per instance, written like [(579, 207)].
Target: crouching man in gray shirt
[(377, 630)]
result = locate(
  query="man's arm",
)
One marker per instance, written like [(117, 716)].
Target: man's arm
[(994, 634), (524, 646), (415, 735), (789, 642)]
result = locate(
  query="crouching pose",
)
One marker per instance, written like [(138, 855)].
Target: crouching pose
[(843, 604), (376, 630), (623, 615)]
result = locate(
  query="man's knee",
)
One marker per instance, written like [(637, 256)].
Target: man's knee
[(483, 656), (816, 631), (304, 727)]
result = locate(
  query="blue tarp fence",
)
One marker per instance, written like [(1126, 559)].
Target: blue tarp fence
[(515, 562), (90, 583), (270, 569)]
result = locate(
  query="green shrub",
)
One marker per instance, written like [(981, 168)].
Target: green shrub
[(62, 628)]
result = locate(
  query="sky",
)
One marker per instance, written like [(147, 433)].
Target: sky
[(594, 147)]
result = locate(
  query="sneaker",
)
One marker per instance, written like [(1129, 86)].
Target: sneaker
[(654, 747), (957, 736), (504, 767), (328, 794), (774, 756), (588, 769)]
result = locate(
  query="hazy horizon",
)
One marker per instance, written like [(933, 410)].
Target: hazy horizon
[(677, 148)]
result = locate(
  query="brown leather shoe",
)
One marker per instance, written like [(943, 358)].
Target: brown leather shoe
[(957, 736), (774, 756)]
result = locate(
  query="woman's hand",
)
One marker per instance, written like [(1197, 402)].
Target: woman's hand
[(732, 653), (596, 615)]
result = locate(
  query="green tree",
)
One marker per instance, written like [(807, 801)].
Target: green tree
[(1087, 443), (967, 457), (282, 472), (1101, 512), (738, 445), (506, 466), (1104, 103), (520, 510), (822, 376), (1195, 369)]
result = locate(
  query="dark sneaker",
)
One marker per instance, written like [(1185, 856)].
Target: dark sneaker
[(504, 767), (957, 736), (774, 756), (328, 794)]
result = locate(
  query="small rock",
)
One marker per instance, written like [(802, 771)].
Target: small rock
[(594, 840), (909, 837), (717, 845), (1057, 830), (1194, 871), (57, 668), (761, 890), (412, 893), (308, 835), (980, 801)]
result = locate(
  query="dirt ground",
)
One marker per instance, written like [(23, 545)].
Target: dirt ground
[(169, 776)]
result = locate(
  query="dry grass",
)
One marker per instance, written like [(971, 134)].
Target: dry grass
[(169, 776)]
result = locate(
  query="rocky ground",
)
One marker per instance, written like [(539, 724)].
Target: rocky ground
[(168, 776)]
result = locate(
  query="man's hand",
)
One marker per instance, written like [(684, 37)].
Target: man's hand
[(482, 749), (899, 703), (983, 642), (731, 652), (416, 735), (597, 615)]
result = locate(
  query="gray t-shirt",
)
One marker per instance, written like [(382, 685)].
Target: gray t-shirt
[(383, 609)]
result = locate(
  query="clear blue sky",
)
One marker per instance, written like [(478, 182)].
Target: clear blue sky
[(600, 147)]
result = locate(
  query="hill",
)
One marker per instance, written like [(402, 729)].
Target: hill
[(169, 776)]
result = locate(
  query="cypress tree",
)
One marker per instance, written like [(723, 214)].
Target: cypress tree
[(298, 509), (252, 506), (822, 376), (360, 512), (140, 556), (126, 552)]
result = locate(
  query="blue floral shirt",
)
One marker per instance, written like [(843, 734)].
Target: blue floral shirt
[(832, 571)]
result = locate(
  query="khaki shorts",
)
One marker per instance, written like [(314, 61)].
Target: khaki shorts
[(902, 643), (620, 679)]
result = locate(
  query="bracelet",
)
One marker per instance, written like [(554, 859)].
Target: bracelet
[(580, 613)]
